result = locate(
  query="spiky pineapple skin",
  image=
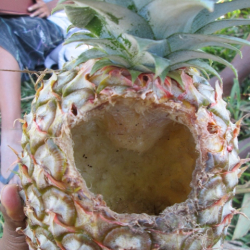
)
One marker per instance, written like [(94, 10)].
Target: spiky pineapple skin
[(64, 214)]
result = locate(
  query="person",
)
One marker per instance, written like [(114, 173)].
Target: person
[(14, 217), (242, 65), (24, 42)]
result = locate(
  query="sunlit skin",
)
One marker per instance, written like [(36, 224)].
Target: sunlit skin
[(12, 209)]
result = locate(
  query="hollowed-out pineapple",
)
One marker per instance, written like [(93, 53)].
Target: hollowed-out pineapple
[(129, 147)]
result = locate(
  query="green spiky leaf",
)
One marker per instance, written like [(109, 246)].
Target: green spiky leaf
[(100, 64), (199, 65), (166, 18), (161, 67), (197, 41), (186, 55), (85, 56), (205, 17), (134, 74), (154, 35), (104, 19), (222, 24)]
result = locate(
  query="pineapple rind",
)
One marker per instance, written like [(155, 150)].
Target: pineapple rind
[(58, 199)]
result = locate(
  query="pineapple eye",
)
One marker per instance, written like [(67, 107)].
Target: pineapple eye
[(134, 157), (74, 109), (212, 128)]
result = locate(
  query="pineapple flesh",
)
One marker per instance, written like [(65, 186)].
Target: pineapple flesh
[(129, 147)]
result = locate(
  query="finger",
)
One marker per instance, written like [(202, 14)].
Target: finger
[(44, 14), (12, 209), (15, 180), (36, 13), (34, 7), (12, 206), (38, 5)]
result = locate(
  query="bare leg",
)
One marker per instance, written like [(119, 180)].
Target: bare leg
[(10, 105)]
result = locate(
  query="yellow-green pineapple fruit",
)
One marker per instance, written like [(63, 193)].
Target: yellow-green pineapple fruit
[(129, 147)]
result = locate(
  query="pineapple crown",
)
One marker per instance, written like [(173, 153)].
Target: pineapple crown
[(155, 36)]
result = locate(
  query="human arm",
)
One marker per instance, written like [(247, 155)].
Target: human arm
[(12, 209), (241, 64), (42, 9)]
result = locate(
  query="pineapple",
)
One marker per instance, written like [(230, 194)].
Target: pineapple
[(129, 147)]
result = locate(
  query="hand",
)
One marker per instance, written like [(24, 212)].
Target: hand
[(12, 209), (15, 180), (39, 9)]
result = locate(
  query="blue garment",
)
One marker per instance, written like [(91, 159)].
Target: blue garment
[(29, 39)]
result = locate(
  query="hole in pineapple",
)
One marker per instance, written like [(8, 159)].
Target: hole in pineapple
[(212, 128), (135, 156), (74, 109)]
